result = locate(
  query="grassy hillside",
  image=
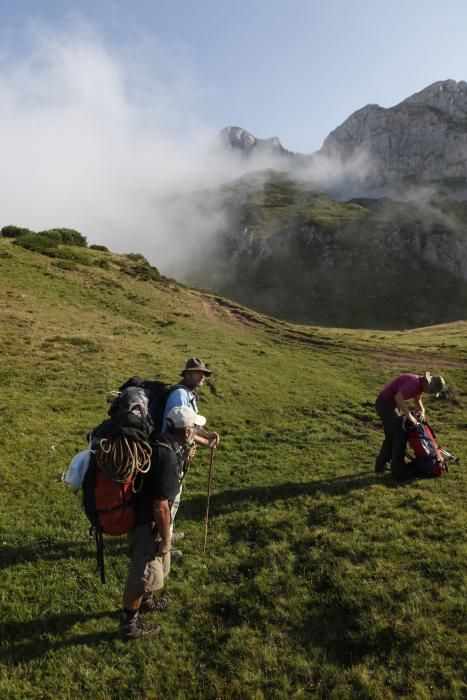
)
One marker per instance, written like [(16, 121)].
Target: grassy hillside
[(269, 203), (321, 578), (300, 255)]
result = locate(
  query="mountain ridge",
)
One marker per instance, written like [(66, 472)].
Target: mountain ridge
[(422, 137), (289, 251)]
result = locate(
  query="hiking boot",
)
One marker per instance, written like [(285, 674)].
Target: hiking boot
[(177, 536), (175, 555), (380, 468), (151, 603), (133, 627)]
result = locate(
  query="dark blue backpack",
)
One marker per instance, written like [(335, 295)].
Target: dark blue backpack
[(157, 393)]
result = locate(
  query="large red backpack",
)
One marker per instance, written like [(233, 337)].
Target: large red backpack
[(122, 455), (108, 503), (428, 460)]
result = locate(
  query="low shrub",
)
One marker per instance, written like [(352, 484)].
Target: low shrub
[(51, 235), (104, 264), (66, 254), (65, 265), (137, 257), (142, 269), (68, 236), (36, 243), (144, 272), (102, 248), (14, 231)]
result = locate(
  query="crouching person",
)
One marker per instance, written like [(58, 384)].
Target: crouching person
[(391, 406), (150, 540)]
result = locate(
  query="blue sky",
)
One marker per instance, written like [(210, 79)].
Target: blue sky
[(294, 68), (109, 109)]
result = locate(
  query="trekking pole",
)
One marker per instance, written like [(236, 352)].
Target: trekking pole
[(209, 498), (100, 553), (448, 455)]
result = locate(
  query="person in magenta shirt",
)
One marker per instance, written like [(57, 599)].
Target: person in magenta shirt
[(391, 406)]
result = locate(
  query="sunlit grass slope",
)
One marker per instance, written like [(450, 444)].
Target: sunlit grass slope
[(321, 579)]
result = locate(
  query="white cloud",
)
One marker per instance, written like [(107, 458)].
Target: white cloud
[(105, 142), (95, 142)]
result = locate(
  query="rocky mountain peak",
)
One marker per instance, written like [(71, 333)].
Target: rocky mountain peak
[(234, 137), (448, 96), (238, 139), (423, 138)]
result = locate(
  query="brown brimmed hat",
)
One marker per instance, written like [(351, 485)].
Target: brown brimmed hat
[(435, 382), (194, 364)]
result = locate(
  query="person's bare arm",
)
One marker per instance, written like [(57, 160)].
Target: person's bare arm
[(161, 513), (419, 406), (203, 437), (403, 407)]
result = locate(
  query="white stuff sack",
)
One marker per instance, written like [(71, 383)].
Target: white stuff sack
[(77, 469)]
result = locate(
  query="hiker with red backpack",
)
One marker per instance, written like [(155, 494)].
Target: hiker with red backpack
[(130, 478), (391, 406), (150, 539), (185, 394)]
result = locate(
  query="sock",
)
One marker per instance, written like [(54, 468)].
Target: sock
[(130, 614)]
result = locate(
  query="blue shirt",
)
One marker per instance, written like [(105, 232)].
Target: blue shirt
[(181, 396)]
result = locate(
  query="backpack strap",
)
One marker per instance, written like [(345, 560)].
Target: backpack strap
[(163, 442), (167, 444), (188, 391), (99, 551)]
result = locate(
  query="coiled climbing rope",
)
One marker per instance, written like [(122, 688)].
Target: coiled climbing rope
[(122, 459)]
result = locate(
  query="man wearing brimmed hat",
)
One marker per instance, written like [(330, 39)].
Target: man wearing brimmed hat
[(150, 540), (184, 394), (391, 406)]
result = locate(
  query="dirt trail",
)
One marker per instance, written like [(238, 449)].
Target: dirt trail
[(216, 312), (220, 309)]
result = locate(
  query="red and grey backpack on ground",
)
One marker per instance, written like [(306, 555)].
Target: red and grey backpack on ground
[(122, 457), (428, 460), (157, 393)]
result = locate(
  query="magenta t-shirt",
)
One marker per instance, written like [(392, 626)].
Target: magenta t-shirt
[(410, 385)]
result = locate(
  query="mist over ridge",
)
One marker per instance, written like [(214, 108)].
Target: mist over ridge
[(91, 141)]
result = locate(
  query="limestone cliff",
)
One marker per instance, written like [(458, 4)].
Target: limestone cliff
[(237, 139), (424, 137)]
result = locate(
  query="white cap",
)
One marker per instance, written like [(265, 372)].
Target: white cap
[(185, 417)]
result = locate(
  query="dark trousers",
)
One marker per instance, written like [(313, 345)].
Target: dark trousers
[(395, 438)]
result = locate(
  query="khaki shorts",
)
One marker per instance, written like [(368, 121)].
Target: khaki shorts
[(147, 571)]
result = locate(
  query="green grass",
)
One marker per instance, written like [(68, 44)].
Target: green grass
[(271, 204), (321, 579), (290, 251)]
